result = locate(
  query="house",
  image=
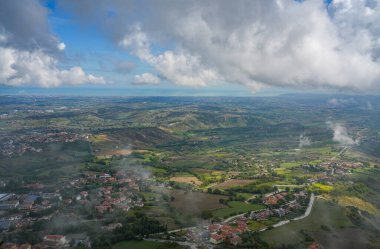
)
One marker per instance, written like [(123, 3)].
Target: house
[(294, 205), (235, 240), (241, 226), (227, 229), (263, 215), (25, 246), (214, 228), (216, 239), (280, 212), (270, 200), (280, 197), (55, 240)]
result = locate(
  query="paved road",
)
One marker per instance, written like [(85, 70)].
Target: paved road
[(308, 209)]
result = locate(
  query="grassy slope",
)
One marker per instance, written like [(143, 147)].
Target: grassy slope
[(323, 213), (136, 244)]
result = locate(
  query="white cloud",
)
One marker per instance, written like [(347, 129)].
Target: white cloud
[(19, 67), (263, 43), (61, 46), (29, 50), (177, 66), (304, 141), (146, 79), (340, 134)]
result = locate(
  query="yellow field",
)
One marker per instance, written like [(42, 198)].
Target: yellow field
[(99, 138), (323, 187), (358, 203), (186, 179)]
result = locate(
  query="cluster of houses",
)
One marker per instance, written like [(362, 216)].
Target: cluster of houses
[(335, 167), (274, 199), (117, 198), (103, 178), (217, 233), (53, 241), (15, 208), (228, 233), (16, 146), (111, 197), (284, 209)]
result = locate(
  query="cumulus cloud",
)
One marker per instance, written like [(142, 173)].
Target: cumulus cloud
[(340, 134), (146, 79), (29, 51), (304, 141), (38, 68), (294, 44), (179, 67), (25, 23)]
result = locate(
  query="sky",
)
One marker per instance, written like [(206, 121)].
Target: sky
[(181, 47)]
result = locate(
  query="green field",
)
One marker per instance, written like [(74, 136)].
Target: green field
[(236, 207), (323, 213), (136, 244)]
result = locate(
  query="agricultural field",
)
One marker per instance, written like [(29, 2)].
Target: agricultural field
[(236, 207), (165, 168), (191, 203), (232, 183), (186, 179)]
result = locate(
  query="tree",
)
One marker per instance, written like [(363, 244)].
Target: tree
[(206, 214)]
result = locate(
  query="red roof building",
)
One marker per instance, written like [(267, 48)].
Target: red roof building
[(216, 239), (314, 246), (214, 228)]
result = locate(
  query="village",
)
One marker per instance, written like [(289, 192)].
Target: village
[(280, 204), (107, 192), (19, 212)]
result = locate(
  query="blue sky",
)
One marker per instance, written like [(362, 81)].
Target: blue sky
[(190, 47)]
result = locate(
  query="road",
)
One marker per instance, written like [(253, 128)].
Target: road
[(345, 148), (308, 209)]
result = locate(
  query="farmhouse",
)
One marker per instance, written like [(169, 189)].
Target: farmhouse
[(263, 215), (270, 200), (58, 241), (216, 239)]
